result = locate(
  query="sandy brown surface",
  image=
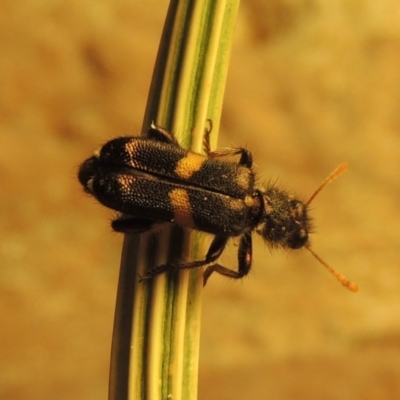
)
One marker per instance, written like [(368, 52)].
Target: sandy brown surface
[(311, 83)]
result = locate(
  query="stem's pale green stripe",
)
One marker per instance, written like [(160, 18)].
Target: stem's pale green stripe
[(156, 331), (187, 89), (208, 51), (171, 71), (140, 335), (223, 50)]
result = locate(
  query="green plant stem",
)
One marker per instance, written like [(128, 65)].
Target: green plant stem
[(157, 323)]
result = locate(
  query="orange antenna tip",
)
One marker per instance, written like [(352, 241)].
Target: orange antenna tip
[(341, 278)]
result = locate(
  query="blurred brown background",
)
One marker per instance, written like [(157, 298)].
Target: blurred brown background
[(311, 83)]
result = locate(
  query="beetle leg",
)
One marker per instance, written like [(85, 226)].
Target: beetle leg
[(244, 261), (245, 159), (132, 225), (216, 248), (155, 132)]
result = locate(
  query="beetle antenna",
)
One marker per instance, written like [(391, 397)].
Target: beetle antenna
[(333, 175), (341, 278)]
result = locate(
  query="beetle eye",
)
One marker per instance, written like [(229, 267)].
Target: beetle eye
[(298, 239)]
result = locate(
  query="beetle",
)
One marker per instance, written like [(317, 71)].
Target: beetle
[(151, 179)]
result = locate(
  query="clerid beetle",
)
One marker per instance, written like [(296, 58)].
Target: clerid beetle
[(151, 179)]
